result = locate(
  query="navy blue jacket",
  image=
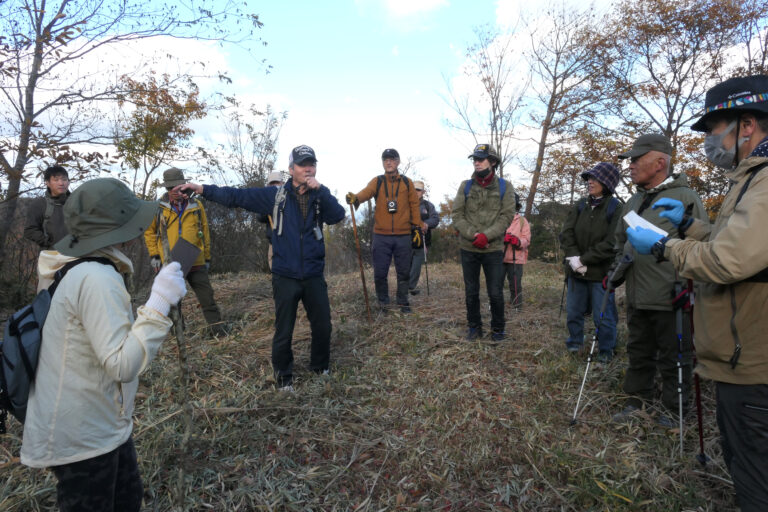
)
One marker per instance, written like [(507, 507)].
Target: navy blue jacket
[(296, 253)]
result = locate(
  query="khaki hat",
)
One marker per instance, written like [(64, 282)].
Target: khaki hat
[(418, 185), (103, 212), (275, 176), (649, 142), (173, 177)]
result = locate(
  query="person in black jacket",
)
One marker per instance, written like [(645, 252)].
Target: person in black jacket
[(299, 209), (429, 221), (587, 239)]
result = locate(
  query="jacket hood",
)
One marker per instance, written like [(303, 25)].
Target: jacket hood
[(51, 261)]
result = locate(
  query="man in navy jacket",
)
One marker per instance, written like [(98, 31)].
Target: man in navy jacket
[(299, 209)]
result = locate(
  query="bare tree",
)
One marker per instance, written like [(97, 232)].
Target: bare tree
[(564, 68), (51, 96), (491, 116)]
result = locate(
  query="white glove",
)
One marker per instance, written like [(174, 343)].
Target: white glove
[(167, 289), (575, 263)]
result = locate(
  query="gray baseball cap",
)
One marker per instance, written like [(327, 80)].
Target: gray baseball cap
[(649, 142), (103, 212)]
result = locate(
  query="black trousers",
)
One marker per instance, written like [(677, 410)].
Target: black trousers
[(107, 483), (313, 293), (742, 416), (492, 264)]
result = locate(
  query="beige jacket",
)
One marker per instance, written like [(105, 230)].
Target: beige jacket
[(81, 403), (729, 311)]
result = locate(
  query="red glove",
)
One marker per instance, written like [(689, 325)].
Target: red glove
[(514, 241), (480, 241), (605, 283), (508, 238)]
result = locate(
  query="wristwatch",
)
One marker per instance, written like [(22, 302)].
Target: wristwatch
[(657, 249)]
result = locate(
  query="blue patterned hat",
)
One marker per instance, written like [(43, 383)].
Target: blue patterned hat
[(604, 172)]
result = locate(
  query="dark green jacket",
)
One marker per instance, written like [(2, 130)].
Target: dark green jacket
[(589, 234), (650, 285), (37, 229), (483, 211)]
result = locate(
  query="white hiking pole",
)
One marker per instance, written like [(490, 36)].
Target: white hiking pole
[(426, 267), (626, 261), (679, 329)]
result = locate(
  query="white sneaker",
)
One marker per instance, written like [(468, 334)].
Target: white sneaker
[(286, 389)]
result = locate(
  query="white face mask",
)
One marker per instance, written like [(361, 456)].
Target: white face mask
[(717, 154)]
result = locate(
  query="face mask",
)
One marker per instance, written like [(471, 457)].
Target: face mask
[(717, 154), (483, 173)]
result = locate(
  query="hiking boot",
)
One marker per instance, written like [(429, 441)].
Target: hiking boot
[(665, 421), (415, 291), (286, 389), (626, 415), (573, 349), (605, 356), (498, 336), (405, 309), (473, 333)]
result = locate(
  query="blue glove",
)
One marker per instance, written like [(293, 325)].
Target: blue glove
[(642, 239), (673, 209)]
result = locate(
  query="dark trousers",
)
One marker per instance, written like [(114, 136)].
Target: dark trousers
[(313, 293), (653, 344), (514, 272), (492, 264), (417, 260), (201, 284), (585, 296), (742, 416), (107, 483), (385, 248)]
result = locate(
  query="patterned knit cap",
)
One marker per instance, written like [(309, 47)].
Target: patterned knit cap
[(606, 173)]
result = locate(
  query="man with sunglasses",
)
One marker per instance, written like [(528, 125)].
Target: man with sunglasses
[(185, 218)]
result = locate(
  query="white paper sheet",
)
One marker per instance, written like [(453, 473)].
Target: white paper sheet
[(634, 221)]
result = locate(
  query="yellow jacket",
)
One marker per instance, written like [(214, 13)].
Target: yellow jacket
[(193, 228)]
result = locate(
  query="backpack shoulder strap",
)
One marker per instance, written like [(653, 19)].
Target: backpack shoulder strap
[(581, 204), (49, 206), (502, 188), (467, 187), (277, 210), (613, 204), (752, 173), (379, 180), (59, 275)]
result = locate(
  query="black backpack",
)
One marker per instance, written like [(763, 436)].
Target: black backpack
[(20, 347)]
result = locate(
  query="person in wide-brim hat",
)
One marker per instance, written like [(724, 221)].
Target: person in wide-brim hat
[(173, 177)]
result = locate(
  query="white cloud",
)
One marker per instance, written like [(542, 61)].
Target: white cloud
[(395, 51)]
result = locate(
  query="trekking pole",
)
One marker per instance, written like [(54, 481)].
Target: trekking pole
[(426, 267), (626, 261), (562, 296), (360, 261), (679, 331), (514, 275), (701, 457), (178, 328)]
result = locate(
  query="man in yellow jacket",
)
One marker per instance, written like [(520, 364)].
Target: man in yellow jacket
[(185, 218)]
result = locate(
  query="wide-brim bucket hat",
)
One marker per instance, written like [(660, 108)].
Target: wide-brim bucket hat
[(103, 212), (173, 177), (606, 173), (743, 93)]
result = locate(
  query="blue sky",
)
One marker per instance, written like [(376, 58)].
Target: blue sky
[(358, 76)]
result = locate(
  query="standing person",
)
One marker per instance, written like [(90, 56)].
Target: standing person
[(45, 217), (653, 337), (728, 260), (483, 208), (517, 239), (302, 206), (80, 408), (429, 221), (395, 217), (185, 218), (587, 239), (275, 179)]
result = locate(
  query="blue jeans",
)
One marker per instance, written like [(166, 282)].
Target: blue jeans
[(385, 249), (492, 264), (584, 296)]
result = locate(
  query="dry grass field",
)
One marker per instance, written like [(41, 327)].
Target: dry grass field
[(413, 417)]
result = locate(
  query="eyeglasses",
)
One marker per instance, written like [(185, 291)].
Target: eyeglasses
[(478, 159)]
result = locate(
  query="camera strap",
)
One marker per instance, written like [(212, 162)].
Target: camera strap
[(395, 190)]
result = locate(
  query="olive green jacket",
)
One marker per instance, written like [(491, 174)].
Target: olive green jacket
[(589, 234), (650, 284), (730, 308), (483, 211)]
